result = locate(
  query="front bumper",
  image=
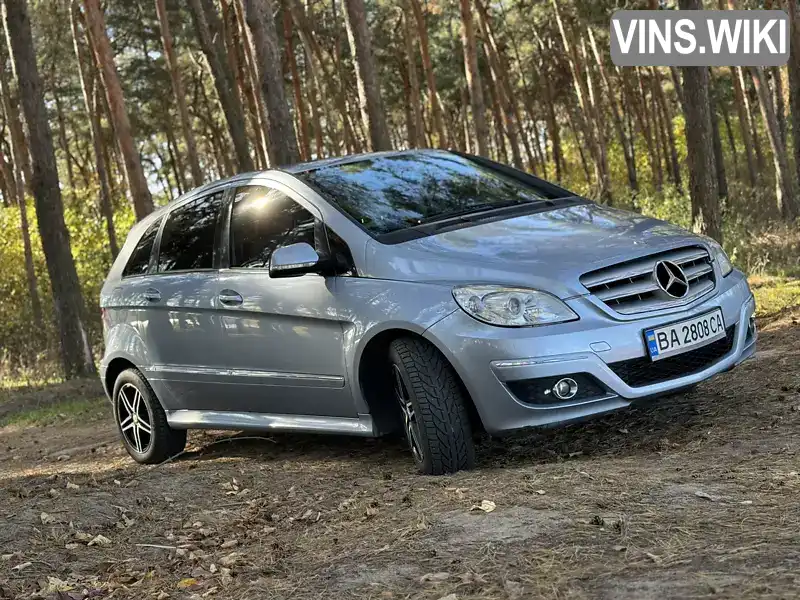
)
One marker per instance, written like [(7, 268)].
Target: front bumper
[(488, 358)]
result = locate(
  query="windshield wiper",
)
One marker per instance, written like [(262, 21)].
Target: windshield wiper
[(476, 211)]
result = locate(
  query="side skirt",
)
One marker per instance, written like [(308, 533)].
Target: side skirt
[(251, 421)]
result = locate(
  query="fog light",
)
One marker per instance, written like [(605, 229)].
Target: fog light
[(566, 388), (751, 326)]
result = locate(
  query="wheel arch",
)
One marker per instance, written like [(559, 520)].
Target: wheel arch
[(374, 383)]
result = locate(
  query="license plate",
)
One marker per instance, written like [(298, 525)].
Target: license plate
[(683, 336)]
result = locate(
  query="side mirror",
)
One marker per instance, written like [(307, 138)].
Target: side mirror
[(292, 260)]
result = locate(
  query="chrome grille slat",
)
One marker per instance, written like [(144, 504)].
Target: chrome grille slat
[(643, 266), (629, 287)]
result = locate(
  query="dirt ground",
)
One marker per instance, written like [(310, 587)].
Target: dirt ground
[(688, 497)]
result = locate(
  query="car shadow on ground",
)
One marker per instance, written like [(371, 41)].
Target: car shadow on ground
[(643, 428)]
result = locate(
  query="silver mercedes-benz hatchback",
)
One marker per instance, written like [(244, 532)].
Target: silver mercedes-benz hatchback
[(426, 292)]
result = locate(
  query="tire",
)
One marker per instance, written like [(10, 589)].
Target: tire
[(438, 429), (133, 395)]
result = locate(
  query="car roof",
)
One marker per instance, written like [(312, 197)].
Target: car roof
[(295, 169), (352, 158)]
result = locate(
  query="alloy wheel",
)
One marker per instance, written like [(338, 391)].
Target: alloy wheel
[(410, 425), (135, 419)]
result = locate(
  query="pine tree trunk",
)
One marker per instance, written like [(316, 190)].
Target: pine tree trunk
[(700, 147), (16, 190), (794, 83), (76, 351), (747, 140), (785, 190), (498, 71), (95, 22), (751, 121), (731, 139), (674, 164), (62, 141), (719, 159), (630, 165), (282, 140), (246, 74), (369, 93), (175, 158), (585, 118), (413, 84), (179, 93), (474, 86), (312, 76), (430, 77), (299, 104), (209, 32), (84, 65), (778, 101)]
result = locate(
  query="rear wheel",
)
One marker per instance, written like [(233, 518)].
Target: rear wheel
[(433, 407), (142, 422)]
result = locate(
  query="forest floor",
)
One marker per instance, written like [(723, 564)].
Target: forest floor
[(692, 496)]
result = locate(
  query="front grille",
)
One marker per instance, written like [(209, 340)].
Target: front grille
[(630, 287), (638, 372)]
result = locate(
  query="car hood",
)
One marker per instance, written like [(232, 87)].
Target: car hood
[(547, 250)]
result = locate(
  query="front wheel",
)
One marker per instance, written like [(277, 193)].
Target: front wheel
[(433, 407), (141, 421)]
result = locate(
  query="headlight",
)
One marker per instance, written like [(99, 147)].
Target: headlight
[(510, 306), (718, 255)]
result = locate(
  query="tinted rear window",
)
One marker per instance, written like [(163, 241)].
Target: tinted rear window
[(140, 257), (187, 242), (389, 193)]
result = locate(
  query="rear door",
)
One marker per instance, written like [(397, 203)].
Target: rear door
[(281, 338), (183, 332)]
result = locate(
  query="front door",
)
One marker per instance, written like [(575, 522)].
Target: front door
[(281, 338)]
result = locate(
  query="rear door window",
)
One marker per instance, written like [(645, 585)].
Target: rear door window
[(139, 261), (187, 243), (262, 220)]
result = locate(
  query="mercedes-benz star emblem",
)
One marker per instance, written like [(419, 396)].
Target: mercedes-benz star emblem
[(671, 278)]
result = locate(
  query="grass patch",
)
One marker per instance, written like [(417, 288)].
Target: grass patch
[(61, 412), (774, 294)]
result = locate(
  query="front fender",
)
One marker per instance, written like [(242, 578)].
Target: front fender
[(375, 306)]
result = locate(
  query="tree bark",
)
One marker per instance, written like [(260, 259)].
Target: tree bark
[(299, 104), (675, 167), (240, 46), (95, 22), (751, 121), (498, 70), (369, 94), (700, 147), (785, 191), (282, 141), (76, 352), (474, 86), (209, 32), (630, 165), (719, 159), (430, 77), (16, 189), (180, 94), (418, 140), (585, 116), (95, 130), (794, 83)]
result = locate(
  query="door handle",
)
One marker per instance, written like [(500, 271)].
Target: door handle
[(230, 298), (152, 294)]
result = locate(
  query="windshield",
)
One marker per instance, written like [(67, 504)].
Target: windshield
[(389, 193)]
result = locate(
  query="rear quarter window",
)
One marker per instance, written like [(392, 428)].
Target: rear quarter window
[(139, 260)]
